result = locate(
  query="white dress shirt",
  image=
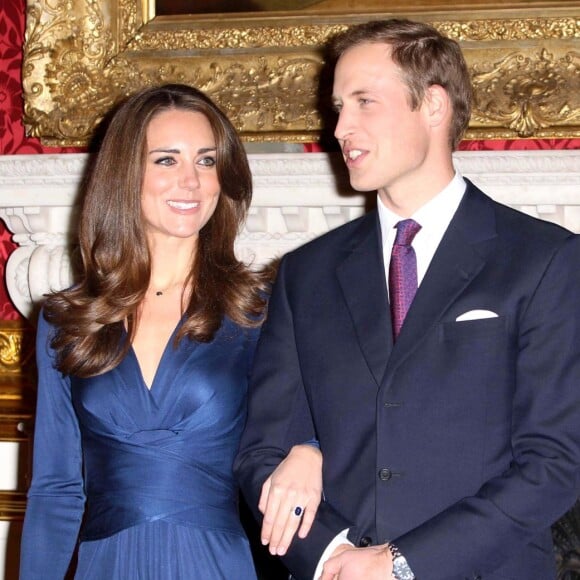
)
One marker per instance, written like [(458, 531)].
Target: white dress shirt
[(434, 218)]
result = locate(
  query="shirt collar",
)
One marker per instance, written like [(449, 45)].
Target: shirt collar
[(434, 216)]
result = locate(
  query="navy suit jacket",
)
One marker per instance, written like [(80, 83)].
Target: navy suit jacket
[(461, 442)]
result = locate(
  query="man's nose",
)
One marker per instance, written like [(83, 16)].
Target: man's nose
[(344, 126)]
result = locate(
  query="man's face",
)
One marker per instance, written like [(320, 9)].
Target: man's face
[(384, 143)]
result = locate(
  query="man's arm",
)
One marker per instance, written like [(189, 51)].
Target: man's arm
[(278, 418)]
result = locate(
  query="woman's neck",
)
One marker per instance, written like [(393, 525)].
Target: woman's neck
[(171, 265)]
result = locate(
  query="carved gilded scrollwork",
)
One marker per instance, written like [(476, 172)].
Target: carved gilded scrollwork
[(64, 72), (513, 29), (528, 92), (10, 351), (16, 380), (270, 37), (16, 352), (81, 56)]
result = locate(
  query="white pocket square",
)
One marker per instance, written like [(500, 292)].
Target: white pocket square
[(475, 315)]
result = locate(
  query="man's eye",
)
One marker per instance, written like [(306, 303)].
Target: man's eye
[(364, 101)]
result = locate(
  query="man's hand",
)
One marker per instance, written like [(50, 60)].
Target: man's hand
[(296, 483), (350, 563)]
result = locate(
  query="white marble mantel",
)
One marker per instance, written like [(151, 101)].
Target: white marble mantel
[(297, 196)]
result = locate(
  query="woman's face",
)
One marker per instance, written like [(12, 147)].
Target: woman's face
[(180, 186)]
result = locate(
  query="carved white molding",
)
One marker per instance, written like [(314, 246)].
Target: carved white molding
[(297, 196)]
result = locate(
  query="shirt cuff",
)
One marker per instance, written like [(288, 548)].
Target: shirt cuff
[(337, 541)]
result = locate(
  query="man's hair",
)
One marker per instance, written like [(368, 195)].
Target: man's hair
[(425, 58)]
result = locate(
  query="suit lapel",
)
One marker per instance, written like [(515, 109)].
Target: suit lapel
[(459, 258), (362, 278)]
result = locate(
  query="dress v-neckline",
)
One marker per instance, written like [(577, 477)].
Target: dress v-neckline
[(168, 344)]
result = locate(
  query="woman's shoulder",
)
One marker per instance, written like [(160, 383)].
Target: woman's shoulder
[(232, 329)]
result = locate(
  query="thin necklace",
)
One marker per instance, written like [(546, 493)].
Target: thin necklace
[(170, 287)]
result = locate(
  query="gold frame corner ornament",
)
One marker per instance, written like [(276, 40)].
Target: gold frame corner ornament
[(81, 56)]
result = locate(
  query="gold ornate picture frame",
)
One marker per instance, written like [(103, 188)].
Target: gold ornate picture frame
[(81, 56)]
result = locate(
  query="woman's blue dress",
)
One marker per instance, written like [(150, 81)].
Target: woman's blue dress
[(144, 474)]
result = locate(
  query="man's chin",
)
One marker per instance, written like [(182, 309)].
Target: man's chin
[(361, 185)]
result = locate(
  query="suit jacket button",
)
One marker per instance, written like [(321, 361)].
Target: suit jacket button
[(385, 474), (365, 541)]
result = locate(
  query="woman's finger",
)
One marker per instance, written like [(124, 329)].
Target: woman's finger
[(308, 517), (292, 523)]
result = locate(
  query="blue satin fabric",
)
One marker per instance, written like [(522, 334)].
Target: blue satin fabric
[(133, 482), (140, 456)]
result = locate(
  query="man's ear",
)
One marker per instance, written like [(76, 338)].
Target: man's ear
[(437, 105)]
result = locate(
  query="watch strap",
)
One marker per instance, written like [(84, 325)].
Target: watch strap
[(401, 568)]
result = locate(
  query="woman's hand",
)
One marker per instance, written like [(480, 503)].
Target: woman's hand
[(290, 498)]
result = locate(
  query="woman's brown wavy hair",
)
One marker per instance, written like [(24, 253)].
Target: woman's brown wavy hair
[(115, 264)]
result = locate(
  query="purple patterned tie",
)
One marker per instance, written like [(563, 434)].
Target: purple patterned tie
[(402, 273)]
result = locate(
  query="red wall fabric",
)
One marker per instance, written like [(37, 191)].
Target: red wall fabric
[(13, 139), (497, 145), (519, 145)]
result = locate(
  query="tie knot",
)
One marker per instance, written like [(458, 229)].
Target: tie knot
[(406, 231)]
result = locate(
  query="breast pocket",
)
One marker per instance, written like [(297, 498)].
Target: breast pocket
[(469, 331), (478, 353)]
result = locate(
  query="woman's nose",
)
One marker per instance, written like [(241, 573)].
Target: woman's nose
[(189, 178)]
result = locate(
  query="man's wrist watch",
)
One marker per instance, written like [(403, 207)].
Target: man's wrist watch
[(401, 569)]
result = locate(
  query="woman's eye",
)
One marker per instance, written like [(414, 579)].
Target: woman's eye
[(207, 161), (165, 161)]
